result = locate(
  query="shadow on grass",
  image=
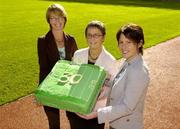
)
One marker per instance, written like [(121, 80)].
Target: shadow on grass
[(167, 4)]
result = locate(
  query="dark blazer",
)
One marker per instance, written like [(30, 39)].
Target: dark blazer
[(48, 53)]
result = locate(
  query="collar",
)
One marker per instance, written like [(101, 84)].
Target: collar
[(98, 61), (135, 59)]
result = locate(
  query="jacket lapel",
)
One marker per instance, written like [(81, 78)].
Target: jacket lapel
[(100, 58), (52, 47)]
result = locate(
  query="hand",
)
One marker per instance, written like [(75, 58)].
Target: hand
[(92, 115), (100, 104)]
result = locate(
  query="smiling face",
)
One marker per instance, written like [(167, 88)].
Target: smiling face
[(56, 22), (128, 47), (130, 39), (94, 38)]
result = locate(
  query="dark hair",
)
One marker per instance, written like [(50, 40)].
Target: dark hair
[(57, 9), (97, 24), (133, 32)]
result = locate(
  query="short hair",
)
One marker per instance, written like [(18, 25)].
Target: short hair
[(57, 9), (97, 24), (133, 32)]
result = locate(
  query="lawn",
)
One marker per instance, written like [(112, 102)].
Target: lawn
[(21, 22)]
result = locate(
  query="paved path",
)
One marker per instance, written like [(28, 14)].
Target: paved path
[(162, 107)]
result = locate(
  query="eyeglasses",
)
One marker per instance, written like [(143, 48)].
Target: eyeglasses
[(89, 36), (55, 18)]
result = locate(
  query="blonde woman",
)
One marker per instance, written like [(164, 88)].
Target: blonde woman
[(54, 46)]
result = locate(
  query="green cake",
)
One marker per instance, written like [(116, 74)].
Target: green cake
[(72, 87)]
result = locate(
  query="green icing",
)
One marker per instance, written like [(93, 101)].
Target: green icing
[(71, 87)]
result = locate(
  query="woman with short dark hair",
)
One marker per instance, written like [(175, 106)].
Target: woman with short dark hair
[(125, 105)]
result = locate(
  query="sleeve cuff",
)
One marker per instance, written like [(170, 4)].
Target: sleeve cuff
[(104, 114)]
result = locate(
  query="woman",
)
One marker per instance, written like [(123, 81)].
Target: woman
[(95, 54), (54, 46), (126, 100)]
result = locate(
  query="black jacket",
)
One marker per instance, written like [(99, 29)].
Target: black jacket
[(48, 53)]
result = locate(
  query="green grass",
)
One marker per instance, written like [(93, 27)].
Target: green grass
[(21, 22)]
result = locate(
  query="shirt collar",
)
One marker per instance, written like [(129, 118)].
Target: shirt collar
[(134, 60)]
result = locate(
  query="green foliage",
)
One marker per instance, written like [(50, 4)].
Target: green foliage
[(21, 22)]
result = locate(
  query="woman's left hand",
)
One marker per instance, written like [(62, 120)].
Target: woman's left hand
[(92, 115)]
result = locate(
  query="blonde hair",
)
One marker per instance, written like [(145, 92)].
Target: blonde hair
[(57, 9)]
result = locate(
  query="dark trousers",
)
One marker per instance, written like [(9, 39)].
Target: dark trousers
[(53, 117), (77, 122)]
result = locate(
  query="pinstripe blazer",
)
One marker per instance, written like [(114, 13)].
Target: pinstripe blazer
[(126, 101)]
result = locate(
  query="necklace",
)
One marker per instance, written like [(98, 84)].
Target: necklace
[(92, 57)]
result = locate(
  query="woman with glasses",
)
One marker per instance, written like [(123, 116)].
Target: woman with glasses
[(125, 104), (54, 46), (95, 54)]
